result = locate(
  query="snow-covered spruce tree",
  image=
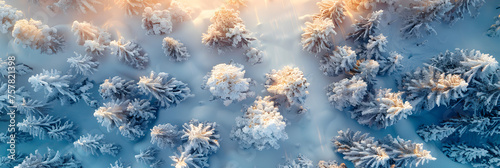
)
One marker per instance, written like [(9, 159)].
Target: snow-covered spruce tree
[(347, 92), (365, 27), (376, 48), (494, 30), (21, 69), (164, 135), (254, 55), (168, 91), (261, 127), (179, 11), (81, 6), (119, 164), (318, 35), (135, 7), (227, 82), (385, 110), (86, 34), (332, 9), (32, 33), (227, 30), (116, 88), (65, 88), (175, 50), (5, 96), (478, 65), (130, 53), (461, 8), (425, 88), (482, 126), (392, 64), (477, 156), (31, 107), (201, 137), (156, 21), (405, 153), (149, 156), (48, 127), (300, 162), (290, 83), (83, 64), (364, 151), (113, 114), (94, 47), (186, 159), (50, 159), (367, 70), (8, 15), (424, 15), (21, 137), (95, 145), (483, 96), (330, 164)]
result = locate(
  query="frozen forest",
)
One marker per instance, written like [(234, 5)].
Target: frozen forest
[(249, 84)]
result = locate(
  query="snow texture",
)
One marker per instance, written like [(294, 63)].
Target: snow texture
[(9, 15)]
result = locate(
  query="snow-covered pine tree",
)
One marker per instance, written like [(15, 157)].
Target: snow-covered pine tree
[(482, 126), (254, 55), (165, 135), (384, 110), (261, 127), (425, 88), (392, 64), (87, 33), (5, 101), (318, 35), (179, 11), (50, 159), (113, 114), (376, 48), (21, 69), (227, 82), (330, 164), (83, 64), (149, 156), (116, 88), (367, 70), (424, 15), (95, 145), (365, 151), (227, 30), (135, 7), (175, 50), (494, 30), (168, 91), (300, 162), (365, 27), (82, 6), (32, 33), (461, 8), (332, 9), (478, 156), (289, 83), (119, 164), (342, 60), (201, 137), (156, 21), (48, 127), (347, 92), (31, 107), (187, 159), (8, 16), (130, 53)]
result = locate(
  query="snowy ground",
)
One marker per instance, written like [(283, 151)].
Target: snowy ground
[(277, 24)]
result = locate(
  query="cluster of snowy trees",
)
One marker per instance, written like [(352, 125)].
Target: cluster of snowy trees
[(133, 105), (196, 142), (466, 81), (365, 151)]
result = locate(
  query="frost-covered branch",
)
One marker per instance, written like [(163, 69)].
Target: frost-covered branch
[(417, 23), (167, 90), (130, 53), (95, 145), (365, 27), (116, 88), (48, 126), (83, 64), (50, 159), (175, 50)]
